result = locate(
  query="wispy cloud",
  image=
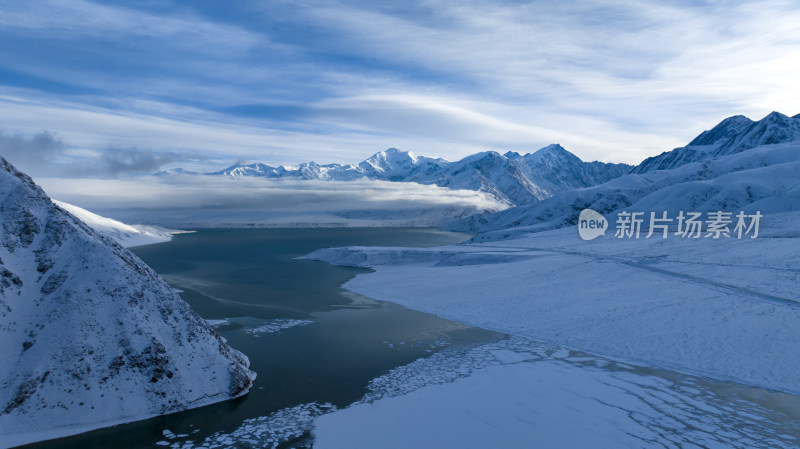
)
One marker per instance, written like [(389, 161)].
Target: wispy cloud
[(633, 65), (78, 19), (615, 80)]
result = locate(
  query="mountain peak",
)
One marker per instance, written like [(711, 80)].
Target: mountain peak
[(176, 171), (553, 152), (389, 164), (737, 117), (775, 117), (393, 154), (554, 148), (491, 154), (724, 130)]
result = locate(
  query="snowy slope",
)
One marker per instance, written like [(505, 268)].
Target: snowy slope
[(89, 335), (726, 309), (555, 169), (124, 234), (510, 178), (732, 135), (489, 172), (762, 178), (518, 393)]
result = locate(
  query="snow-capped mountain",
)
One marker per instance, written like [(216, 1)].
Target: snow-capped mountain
[(732, 135), (488, 172), (717, 171), (762, 178), (176, 171), (397, 165), (124, 234), (90, 336), (511, 178), (556, 169)]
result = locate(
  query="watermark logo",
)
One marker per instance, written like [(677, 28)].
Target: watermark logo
[(686, 225), (591, 224)]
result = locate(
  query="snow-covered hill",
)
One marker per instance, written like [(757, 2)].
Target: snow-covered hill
[(732, 135), (511, 178), (90, 336), (124, 234)]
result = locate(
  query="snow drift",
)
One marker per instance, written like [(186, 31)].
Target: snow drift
[(124, 234)]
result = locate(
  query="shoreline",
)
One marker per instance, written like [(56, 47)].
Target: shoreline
[(677, 322)]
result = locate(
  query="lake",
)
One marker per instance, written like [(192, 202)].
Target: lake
[(307, 338)]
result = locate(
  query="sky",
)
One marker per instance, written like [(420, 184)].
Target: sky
[(113, 90)]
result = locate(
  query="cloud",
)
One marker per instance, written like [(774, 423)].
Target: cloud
[(125, 161), (211, 199), (285, 82), (201, 191), (29, 152), (186, 130), (78, 18), (45, 154)]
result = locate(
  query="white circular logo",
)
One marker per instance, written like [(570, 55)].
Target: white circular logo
[(591, 224)]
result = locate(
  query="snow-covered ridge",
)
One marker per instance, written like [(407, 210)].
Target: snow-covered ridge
[(510, 178), (732, 135), (90, 336), (763, 178), (124, 234), (739, 164)]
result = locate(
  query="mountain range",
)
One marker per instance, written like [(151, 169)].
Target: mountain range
[(510, 178), (739, 164)]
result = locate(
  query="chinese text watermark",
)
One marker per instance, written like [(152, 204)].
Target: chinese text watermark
[(686, 225)]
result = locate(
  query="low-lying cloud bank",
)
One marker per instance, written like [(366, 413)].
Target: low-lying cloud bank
[(204, 201)]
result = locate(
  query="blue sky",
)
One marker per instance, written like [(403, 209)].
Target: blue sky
[(102, 89)]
